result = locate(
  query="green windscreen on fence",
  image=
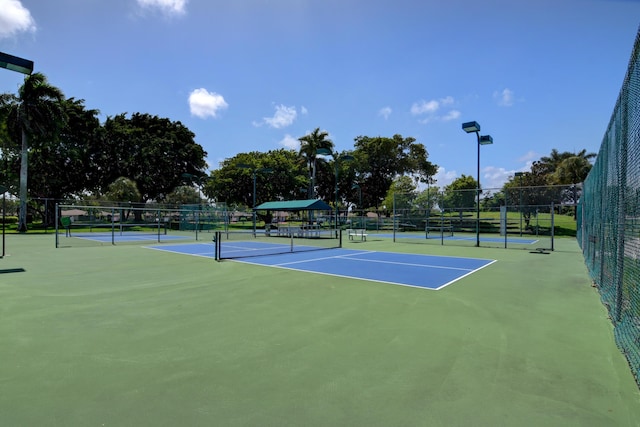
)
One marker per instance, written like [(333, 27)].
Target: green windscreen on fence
[(119, 223), (609, 216)]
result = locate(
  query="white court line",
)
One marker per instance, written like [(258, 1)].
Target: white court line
[(412, 264), (208, 254), (348, 256), (321, 258), (285, 266)]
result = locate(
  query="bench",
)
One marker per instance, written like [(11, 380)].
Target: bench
[(405, 226), (444, 229), (357, 233)]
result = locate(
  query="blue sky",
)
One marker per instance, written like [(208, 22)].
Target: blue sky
[(249, 75)]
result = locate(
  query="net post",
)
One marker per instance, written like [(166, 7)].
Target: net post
[(216, 242), (394, 217), (552, 223), (197, 222), (57, 222), (442, 227), (158, 216), (113, 226)]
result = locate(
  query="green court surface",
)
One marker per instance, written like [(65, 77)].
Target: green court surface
[(127, 336)]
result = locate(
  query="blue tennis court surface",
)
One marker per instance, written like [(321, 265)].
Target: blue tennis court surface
[(420, 271)]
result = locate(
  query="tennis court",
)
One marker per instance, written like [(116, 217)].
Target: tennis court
[(414, 270), (124, 335)]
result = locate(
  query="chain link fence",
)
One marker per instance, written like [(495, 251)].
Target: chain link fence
[(609, 216)]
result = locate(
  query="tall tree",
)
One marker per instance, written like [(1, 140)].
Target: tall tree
[(183, 195), (460, 194), (549, 164), (233, 181), (429, 198), (61, 163), (403, 191), (572, 170), (381, 159), (35, 111), (339, 166), (152, 151), (309, 146)]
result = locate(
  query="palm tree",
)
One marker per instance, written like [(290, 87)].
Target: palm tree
[(36, 111), (309, 146), (555, 159), (572, 170)]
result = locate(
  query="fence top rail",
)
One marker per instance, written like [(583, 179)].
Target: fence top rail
[(149, 208)]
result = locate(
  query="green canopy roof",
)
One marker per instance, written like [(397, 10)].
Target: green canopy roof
[(294, 205)]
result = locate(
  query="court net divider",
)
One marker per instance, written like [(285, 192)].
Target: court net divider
[(245, 244)]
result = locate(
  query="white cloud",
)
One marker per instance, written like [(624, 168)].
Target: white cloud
[(451, 115), (444, 177), (529, 156), (290, 142), (429, 110), (423, 107), (447, 100), (203, 103), (385, 112), (303, 110), (15, 19), (504, 98), (168, 7), (283, 117), (493, 177)]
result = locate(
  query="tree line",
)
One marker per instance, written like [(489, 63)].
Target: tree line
[(58, 150)]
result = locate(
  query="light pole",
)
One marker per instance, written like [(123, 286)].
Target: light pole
[(357, 186), (198, 181), (519, 175), (474, 127), (321, 152), (354, 187), (24, 66), (346, 158), (336, 163), (254, 172)]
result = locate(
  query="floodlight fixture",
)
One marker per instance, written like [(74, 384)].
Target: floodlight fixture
[(474, 127), (15, 63), (485, 140), (471, 127)]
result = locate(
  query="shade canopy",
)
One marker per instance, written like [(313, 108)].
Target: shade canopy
[(294, 205)]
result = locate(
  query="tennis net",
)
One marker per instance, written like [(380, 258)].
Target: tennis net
[(243, 244)]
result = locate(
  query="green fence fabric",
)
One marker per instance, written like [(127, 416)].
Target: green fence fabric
[(609, 216)]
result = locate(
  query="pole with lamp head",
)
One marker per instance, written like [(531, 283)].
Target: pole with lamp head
[(354, 187), (254, 172), (474, 127), (519, 175)]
